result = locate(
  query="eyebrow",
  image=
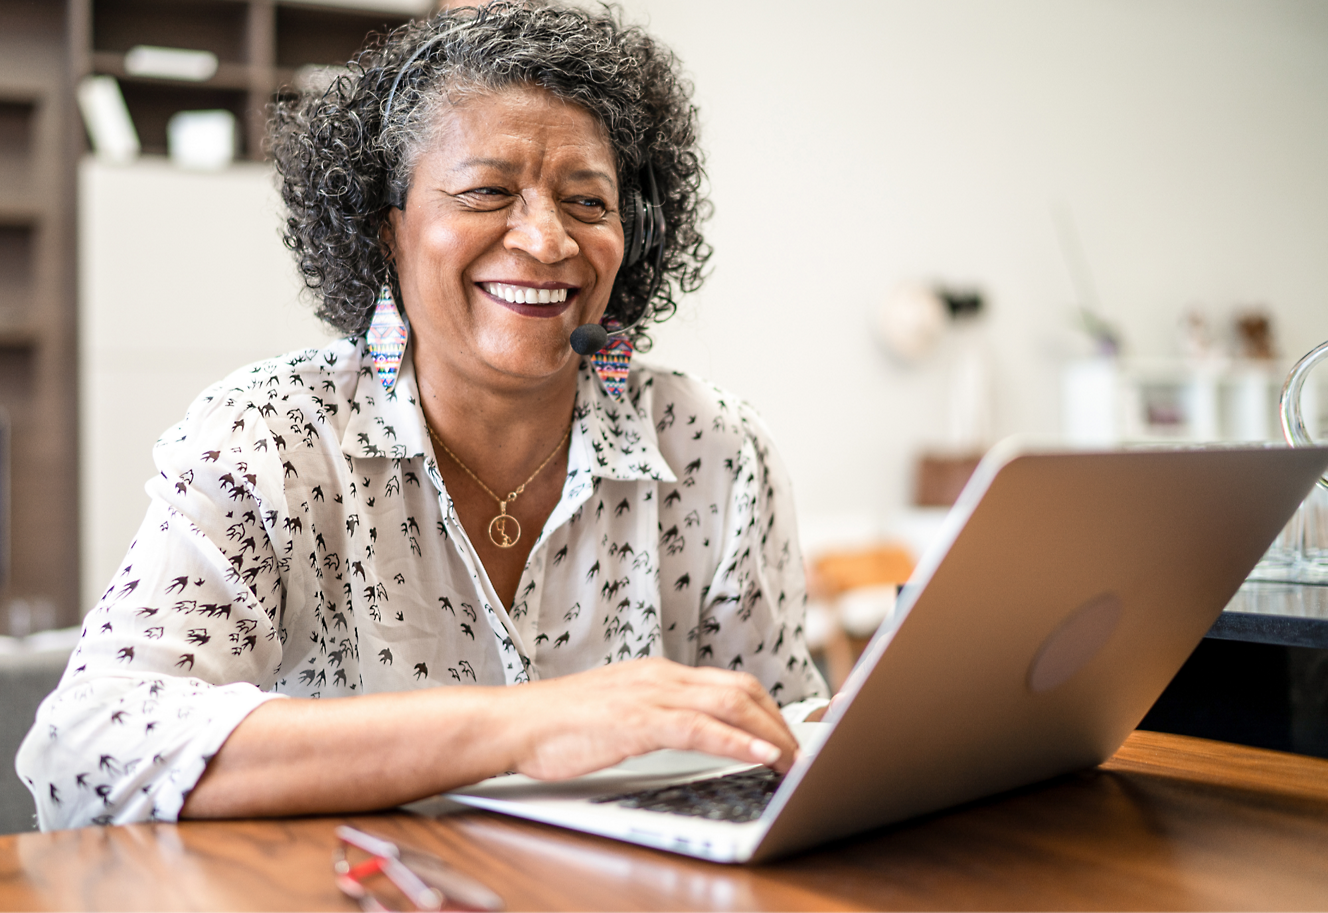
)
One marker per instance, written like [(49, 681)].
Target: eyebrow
[(480, 162), (506, 167), (586, 174)]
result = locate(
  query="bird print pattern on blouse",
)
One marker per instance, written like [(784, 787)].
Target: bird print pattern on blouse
[(300, 542)]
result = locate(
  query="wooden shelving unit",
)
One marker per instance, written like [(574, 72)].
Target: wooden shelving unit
[(46, 46), (260, 46), (38, 364)]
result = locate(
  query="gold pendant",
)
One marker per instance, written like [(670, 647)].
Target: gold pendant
[(504, 530)]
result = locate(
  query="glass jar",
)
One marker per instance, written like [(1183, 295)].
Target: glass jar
[(1301, 550)]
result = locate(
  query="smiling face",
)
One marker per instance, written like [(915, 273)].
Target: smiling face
[(509, 240)]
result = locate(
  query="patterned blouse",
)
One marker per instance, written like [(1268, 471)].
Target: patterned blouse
[(300, 541)]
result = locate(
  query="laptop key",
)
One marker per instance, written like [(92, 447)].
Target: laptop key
[(737, 797)]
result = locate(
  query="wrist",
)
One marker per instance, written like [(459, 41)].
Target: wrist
[(509, 726)]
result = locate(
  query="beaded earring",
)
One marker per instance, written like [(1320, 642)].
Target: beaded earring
[(387, 338), (613, 361)]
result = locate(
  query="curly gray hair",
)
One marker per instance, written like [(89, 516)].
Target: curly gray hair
[(340, 162)]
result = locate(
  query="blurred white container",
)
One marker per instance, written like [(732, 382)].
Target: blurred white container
[(170, 63), (201, 140), (1250, 412), (106, 116), (1090, 402)]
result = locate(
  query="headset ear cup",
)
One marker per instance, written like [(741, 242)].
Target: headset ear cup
[(648, 224), (655, 223), (654, 230), (634, 225)]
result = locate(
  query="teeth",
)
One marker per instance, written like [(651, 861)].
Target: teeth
[(521, 294)]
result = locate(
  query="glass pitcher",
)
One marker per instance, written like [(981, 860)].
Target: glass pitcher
[(1300, 554)]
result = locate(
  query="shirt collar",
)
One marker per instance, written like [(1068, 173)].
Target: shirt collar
[(385, 423), (611, 438)]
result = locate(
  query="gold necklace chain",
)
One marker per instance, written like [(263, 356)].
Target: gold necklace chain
[(507, 528)]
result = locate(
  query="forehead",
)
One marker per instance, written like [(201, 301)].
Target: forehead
[(519, 126)]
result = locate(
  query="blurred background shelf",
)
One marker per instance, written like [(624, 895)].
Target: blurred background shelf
[(1110, 401), (46, 46), (261, 46), (38, 363)]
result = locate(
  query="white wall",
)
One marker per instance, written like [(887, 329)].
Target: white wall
[(856, 144), (852, 145), (184, 279)]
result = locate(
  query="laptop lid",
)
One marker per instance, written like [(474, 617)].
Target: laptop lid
[(1066, 592)]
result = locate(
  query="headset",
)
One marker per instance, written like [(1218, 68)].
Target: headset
[(644, 226)]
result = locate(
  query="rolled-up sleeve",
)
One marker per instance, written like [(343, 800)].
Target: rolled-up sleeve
[(179, 648)]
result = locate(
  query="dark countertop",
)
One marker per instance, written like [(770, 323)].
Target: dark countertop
[(1289, 614)]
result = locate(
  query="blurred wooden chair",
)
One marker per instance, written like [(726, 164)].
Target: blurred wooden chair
[(836, 578)]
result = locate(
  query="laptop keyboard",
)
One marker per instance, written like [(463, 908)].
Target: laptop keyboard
[(736, 797)]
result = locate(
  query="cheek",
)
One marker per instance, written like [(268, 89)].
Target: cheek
[(441, 243), (605, 252), (438, 256)]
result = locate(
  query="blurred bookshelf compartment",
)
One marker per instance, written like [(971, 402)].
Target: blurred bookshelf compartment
[(17, 127), (152, 106), (216, 26), (317, 35), (1106, 402), (17, 268)]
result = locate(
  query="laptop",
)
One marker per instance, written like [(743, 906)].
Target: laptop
[(1064, 593)]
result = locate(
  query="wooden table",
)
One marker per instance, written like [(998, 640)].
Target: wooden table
[(1168, 823)]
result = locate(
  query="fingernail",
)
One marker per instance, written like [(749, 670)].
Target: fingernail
[(764, 751)]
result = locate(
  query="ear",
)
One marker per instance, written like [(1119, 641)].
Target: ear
[(387, 234)]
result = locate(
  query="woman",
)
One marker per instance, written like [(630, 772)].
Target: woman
[(477, 508)]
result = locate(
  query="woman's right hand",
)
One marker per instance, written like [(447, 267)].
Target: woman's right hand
[(379, 750), (584, 722)]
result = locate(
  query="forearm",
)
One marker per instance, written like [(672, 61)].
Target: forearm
[(359, 753), (356, 754)]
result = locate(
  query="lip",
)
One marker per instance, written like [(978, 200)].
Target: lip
[(524, 284), (533, 310)]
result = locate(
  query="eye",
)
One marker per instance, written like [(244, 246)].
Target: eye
[(484, 198), (588, 209)]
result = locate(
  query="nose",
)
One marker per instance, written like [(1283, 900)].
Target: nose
[(537, 228)]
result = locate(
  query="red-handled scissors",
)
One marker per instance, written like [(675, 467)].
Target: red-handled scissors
[(424, 880)]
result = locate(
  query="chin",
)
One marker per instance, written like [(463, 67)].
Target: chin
[(533, 356)]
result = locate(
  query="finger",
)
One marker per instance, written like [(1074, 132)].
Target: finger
[(698, 731), (723, 678), (733, 704), (712, 690), (646, 691), (714, 676), (638, 727)]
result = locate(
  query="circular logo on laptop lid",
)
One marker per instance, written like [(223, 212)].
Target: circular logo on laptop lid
[(1075, 641)]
